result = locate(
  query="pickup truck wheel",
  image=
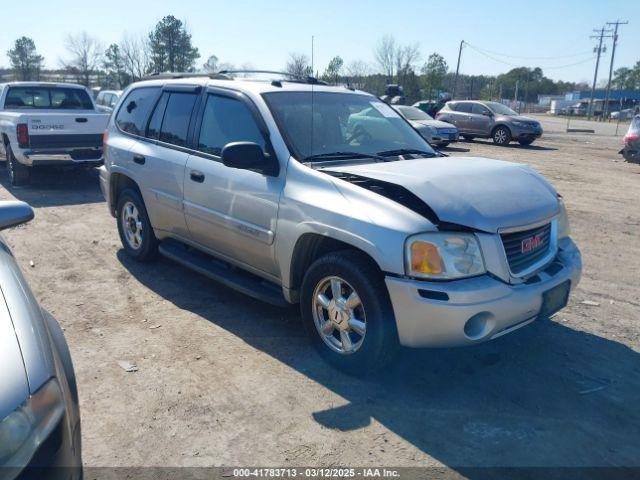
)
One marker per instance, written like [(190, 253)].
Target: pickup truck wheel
[(501, 136), (19, 174), (347, 313), (134, 227)]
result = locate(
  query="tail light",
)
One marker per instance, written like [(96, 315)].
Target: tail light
[(631, 138), (105, 136), (22, 130), (437, 114)]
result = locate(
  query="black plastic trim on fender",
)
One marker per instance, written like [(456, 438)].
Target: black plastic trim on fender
[(222, 272), (397, 193)]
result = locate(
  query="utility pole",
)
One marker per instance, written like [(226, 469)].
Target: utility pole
[(617, 23), (455, 81), (515, 96), (599, 50)]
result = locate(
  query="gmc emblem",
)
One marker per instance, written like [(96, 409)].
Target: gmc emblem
[(531, 243)]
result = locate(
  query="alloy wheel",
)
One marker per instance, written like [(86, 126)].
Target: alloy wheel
[(131, 225), (338, 315)]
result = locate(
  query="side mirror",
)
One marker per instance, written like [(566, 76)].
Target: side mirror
[(14, 213), (487, 113), (249, 156)]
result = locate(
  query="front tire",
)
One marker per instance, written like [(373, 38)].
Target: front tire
[(134, 227), (444, 144), (527, 142), (19, 174), (468, 138), (501, 136), (347, 313)]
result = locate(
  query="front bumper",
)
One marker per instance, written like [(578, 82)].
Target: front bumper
[(525, 133), (497, 306)]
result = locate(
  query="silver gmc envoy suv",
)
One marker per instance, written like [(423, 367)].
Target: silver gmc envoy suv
[(296, 192)]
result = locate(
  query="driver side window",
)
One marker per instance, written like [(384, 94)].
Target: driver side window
[(227, 120)]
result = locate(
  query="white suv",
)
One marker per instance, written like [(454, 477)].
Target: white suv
[(297, 192)]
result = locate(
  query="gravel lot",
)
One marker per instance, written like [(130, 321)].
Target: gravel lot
[(226, 380)]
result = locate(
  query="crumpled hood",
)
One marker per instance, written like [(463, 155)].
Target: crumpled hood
[(475, 192), (14, 388)]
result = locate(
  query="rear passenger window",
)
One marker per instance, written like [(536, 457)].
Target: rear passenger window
[(177, 114), (135, 109), (463, 107), (227, 120), (158, 114)]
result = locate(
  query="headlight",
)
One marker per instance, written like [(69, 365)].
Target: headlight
[(23, 430), (444, 256), (564, 229), (521, 124)]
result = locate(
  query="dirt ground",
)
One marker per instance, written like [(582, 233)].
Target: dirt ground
[(226, 380)]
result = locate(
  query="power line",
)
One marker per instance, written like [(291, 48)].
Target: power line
[(552, 67), (556, 57)]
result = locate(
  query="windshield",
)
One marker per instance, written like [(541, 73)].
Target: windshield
[(413, 113), (57, 98), (342, 122), (500, 109)]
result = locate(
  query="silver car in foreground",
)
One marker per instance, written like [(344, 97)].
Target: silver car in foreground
[(303, 193), (39, 414)]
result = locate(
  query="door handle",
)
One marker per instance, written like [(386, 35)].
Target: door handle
[(81, 120), (139, 159), (197, 176)]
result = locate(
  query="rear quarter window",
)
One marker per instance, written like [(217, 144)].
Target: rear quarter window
[(134, 111)]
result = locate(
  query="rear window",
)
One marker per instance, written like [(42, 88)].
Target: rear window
[(54, 98), (133, 113)]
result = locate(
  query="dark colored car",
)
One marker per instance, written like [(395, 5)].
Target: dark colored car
[(490, 120)]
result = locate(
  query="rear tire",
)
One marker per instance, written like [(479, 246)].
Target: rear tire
[(444, 144), (501, 136), (19, 174), (362, 309), (468, 138), (134, 227)]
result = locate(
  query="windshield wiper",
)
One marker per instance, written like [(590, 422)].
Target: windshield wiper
[(342, 155), (406, 151)]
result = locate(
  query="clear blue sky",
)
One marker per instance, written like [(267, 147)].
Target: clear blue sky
[(263, 33)]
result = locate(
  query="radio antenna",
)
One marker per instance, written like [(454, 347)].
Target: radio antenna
[(312, 86)]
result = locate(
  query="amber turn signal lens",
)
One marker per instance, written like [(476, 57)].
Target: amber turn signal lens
[(425, 258)]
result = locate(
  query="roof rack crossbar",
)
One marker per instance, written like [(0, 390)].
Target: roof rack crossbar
[(293, 78), (177, 75)]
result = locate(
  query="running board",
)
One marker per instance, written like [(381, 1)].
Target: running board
[(222, 272)]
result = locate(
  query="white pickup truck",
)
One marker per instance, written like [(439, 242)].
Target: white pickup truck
[(48, 124)]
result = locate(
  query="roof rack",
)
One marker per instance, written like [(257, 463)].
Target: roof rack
[(177, 75), (291, 78)]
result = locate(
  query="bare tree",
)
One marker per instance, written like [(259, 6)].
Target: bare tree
[(356, 72), (85, 56), (385, 55), (298, 65), (135, 57), (406, 58), (211, 65)]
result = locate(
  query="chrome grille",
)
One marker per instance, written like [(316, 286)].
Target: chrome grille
[(526, 248)]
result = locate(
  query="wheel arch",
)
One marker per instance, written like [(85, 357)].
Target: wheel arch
[(495, 127), (308, 248), (117, 183)]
